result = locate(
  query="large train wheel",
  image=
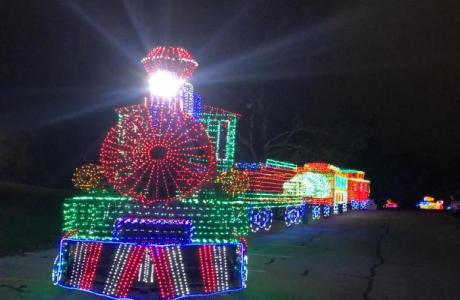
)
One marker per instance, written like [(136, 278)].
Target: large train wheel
[(336, 209), (326, 211), (316, 212), (157, 155), (261, 219), (293, 215), (355, 205)]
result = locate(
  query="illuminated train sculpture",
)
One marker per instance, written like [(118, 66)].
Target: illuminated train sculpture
[(359, 189), (166, 212)]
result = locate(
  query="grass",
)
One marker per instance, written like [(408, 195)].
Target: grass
[(30, 217)]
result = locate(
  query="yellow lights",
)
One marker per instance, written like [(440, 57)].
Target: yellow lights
[(431, 203), (88, 177), (234, 182)]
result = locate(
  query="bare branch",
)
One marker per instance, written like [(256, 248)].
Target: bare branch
[(290, 134), (284, 145)]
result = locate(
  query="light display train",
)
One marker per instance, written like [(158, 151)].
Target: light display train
[(167, 210)]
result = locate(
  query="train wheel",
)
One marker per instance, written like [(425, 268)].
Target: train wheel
[(293, 215), (261, 219), (336, 209), (354, 205), (315, 212), (326, 211)]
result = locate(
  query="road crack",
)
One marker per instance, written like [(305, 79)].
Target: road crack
[(381, 261), (19, 289)]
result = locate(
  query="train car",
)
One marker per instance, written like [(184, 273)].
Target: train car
[(323, 188), (266, 193), (159, 216), (358, 189)]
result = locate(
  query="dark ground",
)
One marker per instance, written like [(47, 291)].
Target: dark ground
[(30, 217), (360, 255)]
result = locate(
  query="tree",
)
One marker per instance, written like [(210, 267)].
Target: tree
[(263, 134), (337, 139)]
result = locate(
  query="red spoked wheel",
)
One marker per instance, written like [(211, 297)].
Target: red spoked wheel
[(156, 155)]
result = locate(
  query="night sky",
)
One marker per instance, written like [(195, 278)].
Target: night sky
[(376, 81)]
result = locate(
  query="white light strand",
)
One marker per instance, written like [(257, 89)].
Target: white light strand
[(116, 269)]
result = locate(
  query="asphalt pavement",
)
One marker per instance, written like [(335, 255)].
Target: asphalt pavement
[(358, 255)]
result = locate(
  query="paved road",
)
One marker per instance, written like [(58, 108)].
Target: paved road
[(360, 255)]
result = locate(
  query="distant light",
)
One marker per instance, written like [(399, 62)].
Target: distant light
[(390, 204), (430, 203), (428, 198), (164, 84)]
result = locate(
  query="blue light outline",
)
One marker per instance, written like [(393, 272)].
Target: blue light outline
[(120, 221), (241, 267)]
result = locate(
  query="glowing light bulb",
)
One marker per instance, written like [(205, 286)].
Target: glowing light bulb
[(164, 84)]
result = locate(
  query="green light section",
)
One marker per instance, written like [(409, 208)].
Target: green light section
[(309, 184), (272, 200), (351, 171), (215, 218), (280, 164), (214, 123)]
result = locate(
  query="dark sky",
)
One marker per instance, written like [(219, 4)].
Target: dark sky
[(390, 67)]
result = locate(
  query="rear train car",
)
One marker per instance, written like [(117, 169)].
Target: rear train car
[(358, 189)]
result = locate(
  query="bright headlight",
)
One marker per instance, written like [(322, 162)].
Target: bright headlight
[(164, 84)]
